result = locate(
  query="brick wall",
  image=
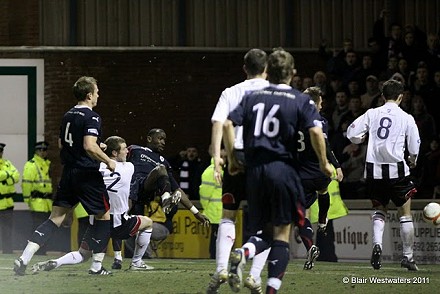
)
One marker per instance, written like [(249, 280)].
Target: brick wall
[(139, 90)]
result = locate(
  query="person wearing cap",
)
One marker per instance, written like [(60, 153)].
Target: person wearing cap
[(37, 186), (372, 91), (9, 176)]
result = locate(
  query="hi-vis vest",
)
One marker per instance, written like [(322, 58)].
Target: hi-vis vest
[(211, 195), (9, 176), (37, 184), (79, 211), (337, 206)]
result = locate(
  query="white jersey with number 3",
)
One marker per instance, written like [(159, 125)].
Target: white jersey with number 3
[(388, 128), (118, 188)]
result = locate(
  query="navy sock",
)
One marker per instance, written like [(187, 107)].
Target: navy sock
[(324, 205), (117, 244), (260, 244), (277, 262), (43, 232), (306, 234)]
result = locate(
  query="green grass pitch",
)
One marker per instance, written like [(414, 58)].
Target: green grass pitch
[(193, 275)]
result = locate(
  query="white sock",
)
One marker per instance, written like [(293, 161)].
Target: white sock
[(225, 241), (142, 241), (378, 227), (29, 252), (407, 236), (73, 257), (258, 264), (251, 249), (118, 255), (97, 259)]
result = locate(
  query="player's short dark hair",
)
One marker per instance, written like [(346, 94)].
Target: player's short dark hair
[(391, 89), (113, 144), (280, 66), (83, 86), (314, 92), (154, 131), (255, 61)]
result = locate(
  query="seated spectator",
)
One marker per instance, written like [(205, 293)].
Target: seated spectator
[(353, 185), (340, 110), (425, 123)]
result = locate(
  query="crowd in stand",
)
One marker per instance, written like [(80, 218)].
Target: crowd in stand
[(351, 84)]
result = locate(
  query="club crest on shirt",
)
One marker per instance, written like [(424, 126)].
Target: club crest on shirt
[(352, 126)]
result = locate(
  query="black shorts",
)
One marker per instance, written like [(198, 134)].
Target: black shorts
[(85, 186), (397, 190), (310, 188), (234, 187), (275, 195), (128, 228)]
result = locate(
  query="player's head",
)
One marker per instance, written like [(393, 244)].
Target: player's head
[(156, 140), (116, 148), (280, 67), (315, 95), (255, 62), (86, 88), (392, 90)]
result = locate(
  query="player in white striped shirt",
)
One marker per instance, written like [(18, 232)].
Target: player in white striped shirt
[(390, 131)]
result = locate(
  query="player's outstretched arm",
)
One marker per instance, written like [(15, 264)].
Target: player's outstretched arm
[(216, 140), (190, 206), (93, 150), (318, 143)]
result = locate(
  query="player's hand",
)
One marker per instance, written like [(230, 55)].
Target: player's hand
[(326, 168), (202, 219), (234, 166), (218, 168), (412, 161), (111, 165), (339, 174)]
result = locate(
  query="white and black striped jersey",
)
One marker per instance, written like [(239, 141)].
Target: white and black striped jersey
[(229, 100), (389, 129), (118, 187)]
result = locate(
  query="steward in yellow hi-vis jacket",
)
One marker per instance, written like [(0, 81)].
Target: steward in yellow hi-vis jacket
[(37, 186), (9, 176), (211, 200)]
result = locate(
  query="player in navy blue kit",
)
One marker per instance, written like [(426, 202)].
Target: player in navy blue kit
[(314, 181), (153, 178), (270, 120), (81, 180)]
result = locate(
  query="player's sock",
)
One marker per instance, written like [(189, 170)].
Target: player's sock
[(73, 257), (117, 245), (39, 237), (225, 241), (324, 205), (100, 236), (118, 255), (306, 234), (277, 264), (97, 259), (258, 264), (258, 245), (142, 242), (378, 226), (407, 235)]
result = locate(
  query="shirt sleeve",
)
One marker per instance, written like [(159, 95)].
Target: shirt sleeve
[(413, 137), (92, 126), (357, 130), (221, 110), (309, 114), (237, 115)]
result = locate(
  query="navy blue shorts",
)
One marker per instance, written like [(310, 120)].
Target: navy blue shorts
[(397, 190), (85, 186), (275, 195), (234, 187), (310, 188), (128, 228)]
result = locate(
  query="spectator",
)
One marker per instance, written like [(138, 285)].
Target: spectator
[(307, 82), (390, 45), (340, 110), (190, 168), (372, 91), (425, 123), (353, 186), (431, 55), (9, 176), (297, 82)]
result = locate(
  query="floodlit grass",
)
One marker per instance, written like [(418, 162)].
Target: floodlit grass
[(192, 276)]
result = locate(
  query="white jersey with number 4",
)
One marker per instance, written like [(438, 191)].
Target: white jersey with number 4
[(388, 128), (229, 100), (118, 188)]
